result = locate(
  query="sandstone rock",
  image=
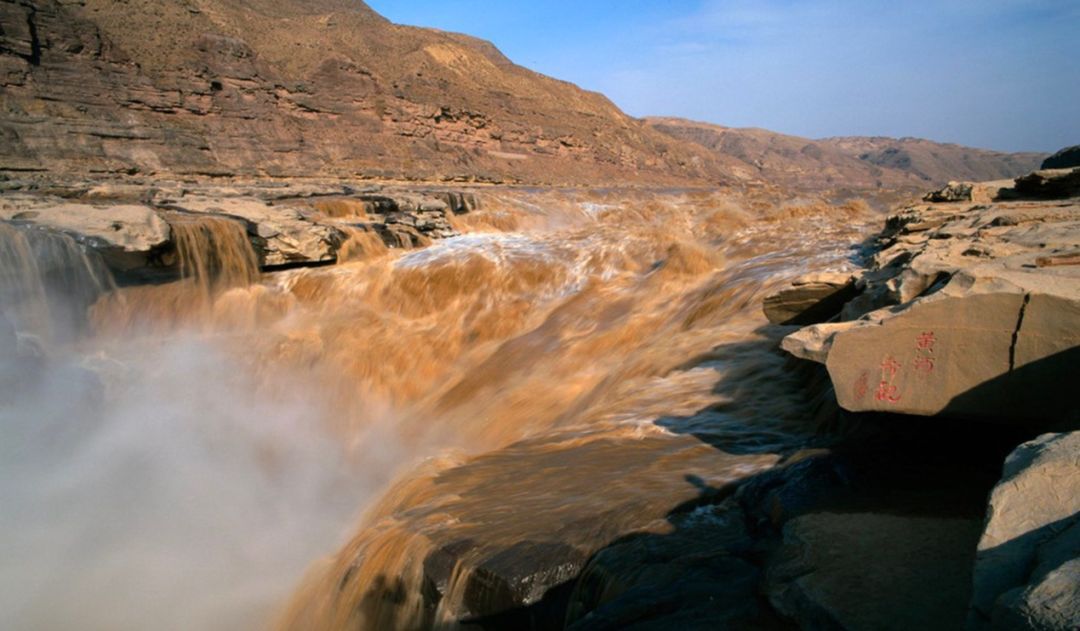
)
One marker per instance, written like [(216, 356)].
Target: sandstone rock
[(124, 227), (458, 202), (968, 309), (126, 235), (285, 234), (810, 299), (859, 571), (1063, 159), (980, 347), (813, 342), (1029, 554), (426, 214), (951, 192), (1049, 184), (977, 192)]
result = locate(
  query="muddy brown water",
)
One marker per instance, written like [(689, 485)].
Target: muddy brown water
[(348, 446)]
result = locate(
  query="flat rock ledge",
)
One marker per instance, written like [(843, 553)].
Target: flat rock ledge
[(966, 309), (288, 223)]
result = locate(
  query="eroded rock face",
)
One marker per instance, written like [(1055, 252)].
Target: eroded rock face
[(1050, 183), (1028, 562), (284, 234), (290, 87), (967, 309), (288, 223), (810, 299)]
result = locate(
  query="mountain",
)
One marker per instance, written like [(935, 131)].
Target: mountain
[(288, 88), (858, 162), (300, 87)]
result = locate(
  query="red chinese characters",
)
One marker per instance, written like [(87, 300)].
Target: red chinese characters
[(887, 391), (924, 353)]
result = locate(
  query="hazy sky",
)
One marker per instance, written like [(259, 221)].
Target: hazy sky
[(998, 74)]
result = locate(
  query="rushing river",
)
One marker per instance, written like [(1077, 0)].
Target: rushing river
[(343, 447)]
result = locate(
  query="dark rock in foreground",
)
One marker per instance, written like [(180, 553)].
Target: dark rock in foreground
[(823, 576), (1027, 572), (1063, 159)]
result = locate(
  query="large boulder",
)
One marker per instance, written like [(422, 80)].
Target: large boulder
[(1063, 159), (1049, 184), (982, 346), (978, 192), (1027, 569)]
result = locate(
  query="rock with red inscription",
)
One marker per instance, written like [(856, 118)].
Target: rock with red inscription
[(989, 347), (966, 309)]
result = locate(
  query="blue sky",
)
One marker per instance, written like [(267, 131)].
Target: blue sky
[(998, 74)]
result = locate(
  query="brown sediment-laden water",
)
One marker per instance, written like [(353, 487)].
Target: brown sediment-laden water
[(362, 445)]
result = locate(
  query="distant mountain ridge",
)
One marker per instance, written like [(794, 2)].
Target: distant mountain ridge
[(855, 161), (288, 88), (300, 87)]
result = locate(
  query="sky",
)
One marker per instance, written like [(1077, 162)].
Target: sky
[(994, 74)]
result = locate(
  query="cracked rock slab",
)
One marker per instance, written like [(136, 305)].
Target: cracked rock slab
[(968, 310)]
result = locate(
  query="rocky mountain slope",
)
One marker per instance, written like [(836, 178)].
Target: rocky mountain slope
[(862, 162), (283, 87), (287, 88)]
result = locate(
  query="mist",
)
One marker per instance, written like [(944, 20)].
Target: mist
[(157, 483)]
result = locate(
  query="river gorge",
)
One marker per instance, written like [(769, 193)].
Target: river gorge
[(494, 388)]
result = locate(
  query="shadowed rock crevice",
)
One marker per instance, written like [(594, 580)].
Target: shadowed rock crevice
[(1016, 333)]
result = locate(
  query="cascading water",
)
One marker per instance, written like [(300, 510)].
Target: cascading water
[(547, 381), (47, 280), (214, 252)]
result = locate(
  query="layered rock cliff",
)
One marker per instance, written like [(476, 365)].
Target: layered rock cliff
[(286, 88)]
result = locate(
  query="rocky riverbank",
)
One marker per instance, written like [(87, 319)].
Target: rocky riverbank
[(968, 314), (289, 223), (692, 490)]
